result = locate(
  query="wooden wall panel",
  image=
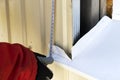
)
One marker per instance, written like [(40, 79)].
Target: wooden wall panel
[(58, 24), (47, 22), (63, 24), (35, 30), (16, 27), (3, 22)]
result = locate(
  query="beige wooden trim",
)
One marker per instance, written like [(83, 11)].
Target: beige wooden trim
[(64, 72), (78, 74)]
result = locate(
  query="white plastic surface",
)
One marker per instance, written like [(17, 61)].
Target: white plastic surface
[(98, 52), (88, 38), (116, 10)]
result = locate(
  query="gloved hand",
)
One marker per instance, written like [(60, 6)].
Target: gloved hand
[(43, 59), (43, 71)]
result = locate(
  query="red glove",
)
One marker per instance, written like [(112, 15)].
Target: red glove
[(17, 62)]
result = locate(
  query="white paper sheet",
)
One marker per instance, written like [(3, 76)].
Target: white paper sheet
[(100, 57)]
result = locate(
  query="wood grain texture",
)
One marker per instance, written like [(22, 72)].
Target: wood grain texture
[(15, 15), (35, 30), (3, 22), (63, 25), (109, 7)]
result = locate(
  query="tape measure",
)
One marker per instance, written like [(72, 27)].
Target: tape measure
[(52, 27)]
